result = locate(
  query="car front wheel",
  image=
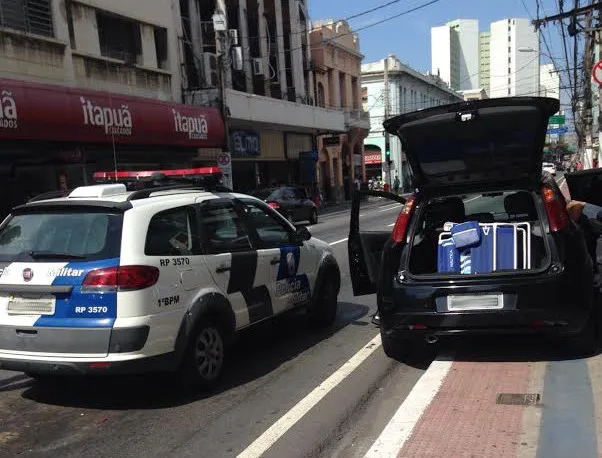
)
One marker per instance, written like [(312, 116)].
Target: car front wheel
[(206, 356), (313, 219)]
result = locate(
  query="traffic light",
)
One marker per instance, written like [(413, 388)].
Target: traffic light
[(388, 151)]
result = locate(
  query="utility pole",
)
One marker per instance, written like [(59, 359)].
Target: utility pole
[(220, 25), (588, 59), (598, 41), (387, 114)]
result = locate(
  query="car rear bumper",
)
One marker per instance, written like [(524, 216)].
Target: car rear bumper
[(164, 362), (558, 305)]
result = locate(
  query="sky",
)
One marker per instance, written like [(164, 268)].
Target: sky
[(409, 36)]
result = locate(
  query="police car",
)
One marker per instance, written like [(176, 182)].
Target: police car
[(133, 275)]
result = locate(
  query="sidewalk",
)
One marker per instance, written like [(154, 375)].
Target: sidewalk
[(472, 408)]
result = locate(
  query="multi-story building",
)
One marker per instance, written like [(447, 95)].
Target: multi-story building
[(484, 59), (455, 53), (92, 84), (513, 72), (260, 70), (409, 90), (337, 61)]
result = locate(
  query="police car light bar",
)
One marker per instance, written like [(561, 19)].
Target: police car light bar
[(150, 174)]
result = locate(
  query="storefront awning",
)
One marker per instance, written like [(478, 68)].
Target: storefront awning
[(31, 111)]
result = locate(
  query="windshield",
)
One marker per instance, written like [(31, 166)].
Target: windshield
[(61, 235)]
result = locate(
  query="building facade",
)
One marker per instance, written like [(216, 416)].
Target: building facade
[(484, 59), (89, 85), (455, 51), (336, 63), (513, 72), (409, 90), (261, 73)]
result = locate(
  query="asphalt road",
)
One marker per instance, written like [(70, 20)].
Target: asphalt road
[(333, 407)]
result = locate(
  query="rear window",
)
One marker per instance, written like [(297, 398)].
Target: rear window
[(82, 235), (266, 194)]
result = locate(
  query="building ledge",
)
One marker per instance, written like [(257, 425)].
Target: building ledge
[(282, 114), (112, 60), (32, 37)]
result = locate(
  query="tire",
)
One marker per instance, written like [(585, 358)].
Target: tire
[(586, 343), (313, 219), (206, 356), (323, 311)]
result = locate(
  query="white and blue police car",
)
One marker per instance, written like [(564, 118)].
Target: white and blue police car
[(106, 279)]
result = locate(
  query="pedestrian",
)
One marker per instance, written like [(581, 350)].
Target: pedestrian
[(386, 187), (396, 184)]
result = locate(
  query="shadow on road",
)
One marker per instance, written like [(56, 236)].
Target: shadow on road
[(257, 353)]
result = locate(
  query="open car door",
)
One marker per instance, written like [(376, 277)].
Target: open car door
[(369, 230)]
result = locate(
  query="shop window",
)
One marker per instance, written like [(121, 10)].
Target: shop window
[(119, 38), (171, 233), (29, 16), (161, 47)]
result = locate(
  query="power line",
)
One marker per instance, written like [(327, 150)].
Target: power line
[(371, 10)]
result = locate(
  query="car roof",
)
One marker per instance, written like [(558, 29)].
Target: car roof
[(126, 199)]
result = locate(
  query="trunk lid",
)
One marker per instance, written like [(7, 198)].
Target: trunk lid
[(476, 143)]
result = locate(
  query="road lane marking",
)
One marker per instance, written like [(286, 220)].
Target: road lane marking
[(391, 225), (289, 419), (389, 207), (399, 429), (339, 241)]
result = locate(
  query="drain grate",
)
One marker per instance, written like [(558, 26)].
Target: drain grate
[(518, 399)]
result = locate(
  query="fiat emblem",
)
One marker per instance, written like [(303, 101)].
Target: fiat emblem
[(27, 274)]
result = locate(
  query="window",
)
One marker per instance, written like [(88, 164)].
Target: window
[(509, 80), (272, 232), (288, 194), (321, 98), (161, 47), (509, 91), (509, 60), (29, 16), (509, 49), (88, 234), (119, 38), (509, 38), (172, 232), (222, 229)]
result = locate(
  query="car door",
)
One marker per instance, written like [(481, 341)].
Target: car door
[(291, 266), (369, 230), (233, 260), (291, 203)]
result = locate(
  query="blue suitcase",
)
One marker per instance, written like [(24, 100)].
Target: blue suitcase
[(505, 247), (448, 256), (483, 255)]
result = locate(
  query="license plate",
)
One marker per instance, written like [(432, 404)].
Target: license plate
[(31, 305), (475, 302)]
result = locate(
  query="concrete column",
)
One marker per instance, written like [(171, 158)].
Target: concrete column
[(334, 89), (348, 91), (149, 50), (280, 41), (196, 36), (244, 43), (84, 21), (297, 52), (263, 45), (61, 31)]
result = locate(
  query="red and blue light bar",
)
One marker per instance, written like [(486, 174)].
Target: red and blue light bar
[(138, 174)]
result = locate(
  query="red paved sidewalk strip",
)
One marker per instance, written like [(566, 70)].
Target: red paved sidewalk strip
[(463, 419)]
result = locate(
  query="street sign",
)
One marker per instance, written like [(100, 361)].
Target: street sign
[(224, 162), (558, 130), (556, 119), (597, 73)]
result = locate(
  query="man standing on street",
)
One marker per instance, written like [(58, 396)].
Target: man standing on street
[(396, 185)]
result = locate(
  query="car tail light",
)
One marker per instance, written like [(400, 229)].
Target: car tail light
[(401, 225), (121, 278), (556, 210), (273, 205)]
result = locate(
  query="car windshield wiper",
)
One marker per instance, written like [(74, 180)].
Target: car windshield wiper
[(54, 255)]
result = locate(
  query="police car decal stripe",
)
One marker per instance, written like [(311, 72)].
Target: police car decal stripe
[(259, 303), (81, 310), (243, 267)]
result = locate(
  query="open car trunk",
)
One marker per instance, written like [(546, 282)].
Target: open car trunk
[(505, 234)]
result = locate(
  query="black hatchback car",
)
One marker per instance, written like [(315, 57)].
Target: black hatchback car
[(476, 169), (292, 203)]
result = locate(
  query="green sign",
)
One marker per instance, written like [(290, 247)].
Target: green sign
[(556, 119)]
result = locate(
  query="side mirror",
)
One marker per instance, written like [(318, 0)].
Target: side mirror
[(303, 233)]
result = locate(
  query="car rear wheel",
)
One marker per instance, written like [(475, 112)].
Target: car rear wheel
[(205, 359), (313, 219)]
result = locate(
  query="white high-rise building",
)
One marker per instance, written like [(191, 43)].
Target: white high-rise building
[(514, 72), (549, 81), (455, 53)]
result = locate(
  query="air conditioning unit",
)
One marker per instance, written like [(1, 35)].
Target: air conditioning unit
[(257, 66), (210, 69), (233, 33)]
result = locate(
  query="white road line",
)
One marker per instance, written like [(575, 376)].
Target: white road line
[(399, 429), (339, 241), (391, 225), (389, 208), (278, 429)]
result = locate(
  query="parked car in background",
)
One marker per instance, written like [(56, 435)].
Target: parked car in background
[(291, 202), (549, 167)]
